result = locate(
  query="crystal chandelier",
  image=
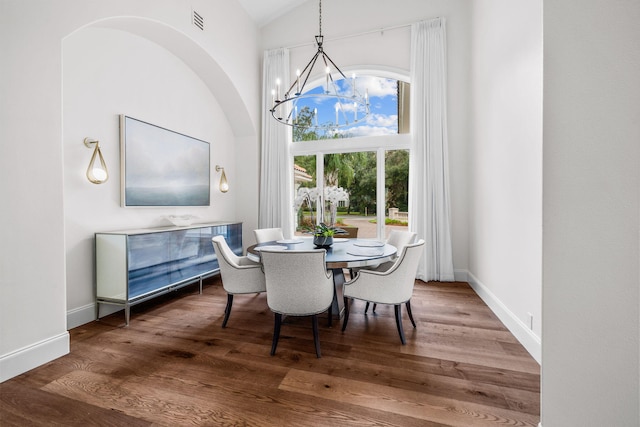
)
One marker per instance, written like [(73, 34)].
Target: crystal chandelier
[(351, 107)]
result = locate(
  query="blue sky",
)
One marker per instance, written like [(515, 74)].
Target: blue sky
[(383, 116)]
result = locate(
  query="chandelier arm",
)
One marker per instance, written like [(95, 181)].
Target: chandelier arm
[(333, 63), (330, 77), (310, 63), (309, 66)]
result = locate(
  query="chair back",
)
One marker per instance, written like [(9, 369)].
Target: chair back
[(268, 234), (400, 239), (403, 272), (298, 283), (392, 286), (238, 274)]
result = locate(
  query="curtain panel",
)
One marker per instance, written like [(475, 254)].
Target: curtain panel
[(429, 201), (276, 168)]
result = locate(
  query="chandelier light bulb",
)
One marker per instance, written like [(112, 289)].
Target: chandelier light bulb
[(328, 72)]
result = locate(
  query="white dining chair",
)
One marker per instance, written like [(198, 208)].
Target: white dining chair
[(239, 274), (393, 286), (398, 239), (268, 235), (298, 284)]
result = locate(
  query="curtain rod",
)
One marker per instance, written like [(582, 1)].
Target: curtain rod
[(363, 33)]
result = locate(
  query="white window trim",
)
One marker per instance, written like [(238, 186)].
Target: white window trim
[(349, 145)]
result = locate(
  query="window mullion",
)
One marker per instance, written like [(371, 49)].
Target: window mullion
[(380, 194), (320, 186)]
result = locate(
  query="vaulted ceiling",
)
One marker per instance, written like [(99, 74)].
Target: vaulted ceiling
[(264, 11)]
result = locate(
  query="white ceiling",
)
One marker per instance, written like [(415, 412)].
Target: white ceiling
[(264, 11)]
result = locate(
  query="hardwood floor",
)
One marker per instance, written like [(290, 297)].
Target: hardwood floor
[(174, 365)]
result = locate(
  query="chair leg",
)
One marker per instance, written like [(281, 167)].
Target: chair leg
[(330, 311), (374, 307), (398, 310), (366, 307), (227, 310), (276, 332), (346, 314), (316, 336), (408, 304)]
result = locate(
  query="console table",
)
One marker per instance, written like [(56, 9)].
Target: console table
[(133, 266)]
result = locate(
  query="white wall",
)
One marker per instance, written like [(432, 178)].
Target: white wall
[(109, 72), (505, 195), (390, 50), (591, 262), (36, 179)]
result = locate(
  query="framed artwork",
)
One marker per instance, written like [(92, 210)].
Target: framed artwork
[(160, 167)]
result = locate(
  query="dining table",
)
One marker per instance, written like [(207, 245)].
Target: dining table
[(343, 254)]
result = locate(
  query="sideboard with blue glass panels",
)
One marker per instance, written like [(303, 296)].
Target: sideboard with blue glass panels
[(133, 266)]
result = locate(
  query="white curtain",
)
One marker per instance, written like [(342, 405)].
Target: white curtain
[(276, 168), (429, 205)]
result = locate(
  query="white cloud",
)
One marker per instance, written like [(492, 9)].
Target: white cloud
[(382, 120), (367, 130), (376, 124), (377, 86)]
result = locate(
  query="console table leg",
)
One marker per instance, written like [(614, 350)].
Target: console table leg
[(127, 313)]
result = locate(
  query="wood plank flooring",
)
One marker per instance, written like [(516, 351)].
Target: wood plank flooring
[(174, 365)]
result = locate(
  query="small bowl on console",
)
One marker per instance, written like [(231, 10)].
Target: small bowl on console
[(181, 220)]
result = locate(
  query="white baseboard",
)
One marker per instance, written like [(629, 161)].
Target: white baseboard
[(81, 315), (32, 356), (531, 342), (461, 275), (87, 313)]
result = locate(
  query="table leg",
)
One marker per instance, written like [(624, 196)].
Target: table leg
[(337, 306)]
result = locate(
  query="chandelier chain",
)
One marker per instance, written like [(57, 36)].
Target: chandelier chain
[(320, 18)]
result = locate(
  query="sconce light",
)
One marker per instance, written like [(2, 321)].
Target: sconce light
[(224, 185), (97, 170)]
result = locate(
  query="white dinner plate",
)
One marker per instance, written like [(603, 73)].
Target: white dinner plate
[(339, 240), (368, 243), (366, 251), (290, 241), (271, 248)]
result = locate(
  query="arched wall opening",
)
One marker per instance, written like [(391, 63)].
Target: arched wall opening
[(150, 71)]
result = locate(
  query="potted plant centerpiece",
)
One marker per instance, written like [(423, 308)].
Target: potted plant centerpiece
[(323, 235)]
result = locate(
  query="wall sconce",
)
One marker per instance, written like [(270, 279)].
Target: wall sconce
[(224, 184), (97, 171)]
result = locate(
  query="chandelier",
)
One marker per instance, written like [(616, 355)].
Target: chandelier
[(351, 107)]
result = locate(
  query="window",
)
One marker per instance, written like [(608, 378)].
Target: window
[(389, 112), (368, 160)]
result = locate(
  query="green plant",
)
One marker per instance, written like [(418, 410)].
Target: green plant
[(324, 230)]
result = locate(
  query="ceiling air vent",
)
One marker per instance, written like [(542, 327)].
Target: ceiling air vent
[(198, 20)]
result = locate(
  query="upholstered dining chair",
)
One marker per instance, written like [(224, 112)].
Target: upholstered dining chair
[(268, 234), (239, 274), (393, 286), (398, 239), (298, 284)]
